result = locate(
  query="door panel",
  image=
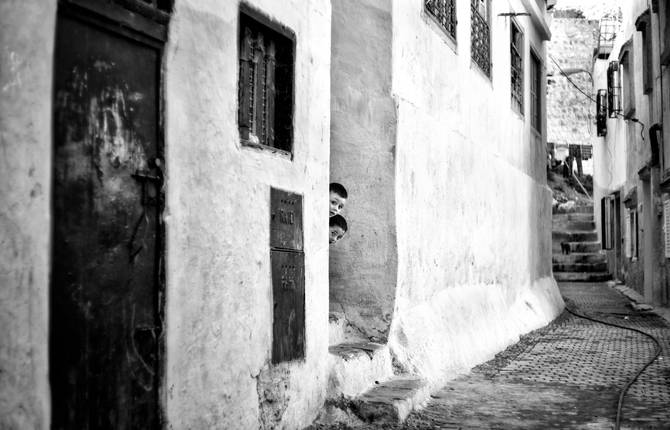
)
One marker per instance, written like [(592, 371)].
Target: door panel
[(106, 330)]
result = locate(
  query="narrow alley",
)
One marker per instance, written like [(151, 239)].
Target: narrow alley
[(567, 375), (334, 214)]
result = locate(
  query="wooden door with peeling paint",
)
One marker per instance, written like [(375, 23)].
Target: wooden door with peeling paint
[(106, 321)]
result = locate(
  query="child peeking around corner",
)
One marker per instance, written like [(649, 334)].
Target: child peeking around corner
[(338, 226), (338, 198)]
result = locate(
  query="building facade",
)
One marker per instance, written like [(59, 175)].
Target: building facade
[(164, 197), (630, 186)]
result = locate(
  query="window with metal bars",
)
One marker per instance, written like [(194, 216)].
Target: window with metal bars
[(481, 35), (601, 112), (516, 67), (607, 221), (535, 92), (265, 88), (444, 11), (613, 89)]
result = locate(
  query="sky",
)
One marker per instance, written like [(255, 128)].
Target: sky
[(592, 9)]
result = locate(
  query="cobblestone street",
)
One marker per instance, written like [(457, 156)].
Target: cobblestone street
[(567, 375)]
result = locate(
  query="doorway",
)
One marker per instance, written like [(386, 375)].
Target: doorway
[(106, 334)]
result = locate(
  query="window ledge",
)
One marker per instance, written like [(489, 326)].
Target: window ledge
[(431, 21), (267, 149)]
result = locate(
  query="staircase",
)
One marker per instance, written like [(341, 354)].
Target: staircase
[(585, 262)]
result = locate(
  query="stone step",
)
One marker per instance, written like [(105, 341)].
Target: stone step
[(580, 267), (579, 257), (582, 276), (357, 366), (584, 246), (574, 236), (579, 225), (391, 402)]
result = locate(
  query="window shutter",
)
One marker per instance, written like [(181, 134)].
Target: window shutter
[(626, 237), (269, 107), (666, 226), (246, 90)]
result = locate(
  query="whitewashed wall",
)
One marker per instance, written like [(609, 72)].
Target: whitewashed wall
[(473, 209)]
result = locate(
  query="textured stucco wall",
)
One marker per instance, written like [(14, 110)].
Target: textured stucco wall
[(473, 209), (26, 55), (363, 127), (219, 294)]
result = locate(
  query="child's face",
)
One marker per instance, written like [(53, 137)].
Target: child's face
[(336, 203), (336, 234)]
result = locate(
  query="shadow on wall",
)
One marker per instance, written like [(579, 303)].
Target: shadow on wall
[(363, 266)]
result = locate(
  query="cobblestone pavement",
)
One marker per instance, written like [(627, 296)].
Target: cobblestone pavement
[(567, 375)]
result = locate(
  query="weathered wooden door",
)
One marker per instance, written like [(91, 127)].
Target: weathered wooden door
[(106, 329)]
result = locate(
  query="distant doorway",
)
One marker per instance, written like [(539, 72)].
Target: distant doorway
[(106, 337)]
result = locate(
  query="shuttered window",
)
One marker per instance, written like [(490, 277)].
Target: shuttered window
[(535, 92), (481, 35), (265, 96), (516, 67), (666, 226)]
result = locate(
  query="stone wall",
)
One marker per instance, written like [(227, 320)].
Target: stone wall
[(570, 114)]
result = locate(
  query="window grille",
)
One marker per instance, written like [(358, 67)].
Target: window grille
[(642, 25), (265, 86), (614, 89), (601, 112), (444, 11), (607, 30), (535, 92), (516, 69), (481, 35)]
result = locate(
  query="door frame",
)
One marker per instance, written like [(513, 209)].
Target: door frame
[(151, 32)]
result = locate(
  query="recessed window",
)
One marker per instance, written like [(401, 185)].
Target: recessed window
[(613, 89), (265, 87), (643, 25), (481, 35), (516, 67), (535, 92), (444, 11)]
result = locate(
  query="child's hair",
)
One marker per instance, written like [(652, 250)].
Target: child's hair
[(338, 189), (338, 221)]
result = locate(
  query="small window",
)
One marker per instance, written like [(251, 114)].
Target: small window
[(516, 67), (265, 88), (535, 92), (643, 25), (601, 112), (626, 61), (444, 11), (614, 89), (481, 35)]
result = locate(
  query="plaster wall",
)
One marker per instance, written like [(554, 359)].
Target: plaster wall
[(219, 294), (219, 300), (473, 209), (26, 55), (363, 136), (621, 155)]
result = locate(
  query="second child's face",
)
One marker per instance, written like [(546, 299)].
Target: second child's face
[(337, 202), (336, 234)]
